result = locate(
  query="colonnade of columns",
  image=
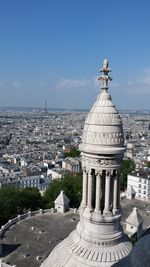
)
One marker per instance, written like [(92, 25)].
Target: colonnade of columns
[(107, 191)]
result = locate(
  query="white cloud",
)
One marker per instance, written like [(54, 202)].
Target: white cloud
[(144, 79), (115, 85), (96, 81), (147, 71), (42, 83), (146, 76), (141, 84), (17, 84), (68, 84)]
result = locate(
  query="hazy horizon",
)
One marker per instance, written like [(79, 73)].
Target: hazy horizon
[(54, 49)]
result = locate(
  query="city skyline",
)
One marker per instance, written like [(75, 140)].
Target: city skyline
[(53, 50)]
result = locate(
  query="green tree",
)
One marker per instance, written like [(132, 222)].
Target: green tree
[(51, 193), (29, 198), (14, 201), (73, 153), (127, 168), (148, 164), (72, 187), (9, 198)]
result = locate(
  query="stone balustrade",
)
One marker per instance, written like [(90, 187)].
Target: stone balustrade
[(6, 226)]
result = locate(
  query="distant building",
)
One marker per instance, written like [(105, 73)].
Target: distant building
[(9, 181), (67, 148), (31, 170), (35, 181), (130, 193), (9, 168), (55, 173), (129, 152), (139, 182), (71, 164)]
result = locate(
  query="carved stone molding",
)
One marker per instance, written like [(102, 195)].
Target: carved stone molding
[(100, 172), (104, 242), (102, 138), (104, 119), (100, 163)]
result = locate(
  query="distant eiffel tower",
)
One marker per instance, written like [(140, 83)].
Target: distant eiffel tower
[(45, 109)]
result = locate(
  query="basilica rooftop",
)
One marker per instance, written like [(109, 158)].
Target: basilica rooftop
[(29, 242)]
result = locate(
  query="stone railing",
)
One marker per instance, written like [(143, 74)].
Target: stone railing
[(6, 226), (3, 264)]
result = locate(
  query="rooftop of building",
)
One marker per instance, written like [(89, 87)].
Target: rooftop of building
[(127, 206), (62, 199), (38, 235), (142, 173), (35, 237), (134, 219)]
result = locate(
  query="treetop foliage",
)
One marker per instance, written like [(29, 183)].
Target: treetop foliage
[(14, 201), (73, 153), (72, 187), (127, 168)]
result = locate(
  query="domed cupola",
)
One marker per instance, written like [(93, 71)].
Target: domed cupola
[(98, 240), (103, 131)]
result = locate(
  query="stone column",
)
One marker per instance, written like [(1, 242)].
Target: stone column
[(118, 194), (98, 192), (90, 179), (115, 195), (107, 193), (84, 188)]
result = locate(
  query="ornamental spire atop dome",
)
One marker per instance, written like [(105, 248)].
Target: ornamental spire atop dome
[(104, 78), (98, 240)]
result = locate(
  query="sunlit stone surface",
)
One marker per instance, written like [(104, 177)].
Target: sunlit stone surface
[(98, 239)]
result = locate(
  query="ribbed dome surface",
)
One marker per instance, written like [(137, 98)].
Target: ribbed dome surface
[(98, 240), (103, 131), (75, 252)]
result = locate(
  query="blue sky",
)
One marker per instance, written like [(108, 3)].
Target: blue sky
[(53, 49)]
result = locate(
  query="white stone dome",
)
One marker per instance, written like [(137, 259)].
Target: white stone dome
[(98, 239), (139, 256), (76, 252), (103, 131)]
